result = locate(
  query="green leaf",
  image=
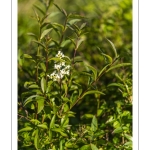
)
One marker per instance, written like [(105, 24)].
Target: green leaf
[(82, 26), (87, 116), (43, 126), (25, 129), (39, 43), (75, 16), (39, 9), (103, 70), (114, 49), (29, 99), (117, 130), (40, 105), (32, 34), (36, 139), (85, 147), (93, 147), (60, 131), (108, 57), (43, 85), (118, 66), (61, 10), (71, 22), (26, 56), (93, 70), (92, 92), (129, 137), (64, 43), (79, 42), (116, 84), (33, 86), (43, 67), (52, 123), (99, 112), (94, 124), (45, 32)]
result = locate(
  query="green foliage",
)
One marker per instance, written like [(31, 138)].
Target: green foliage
[(71, 93)]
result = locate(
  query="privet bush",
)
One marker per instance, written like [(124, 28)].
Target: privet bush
[(64, 105)]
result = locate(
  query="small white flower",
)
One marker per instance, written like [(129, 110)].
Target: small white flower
[(60, 54)]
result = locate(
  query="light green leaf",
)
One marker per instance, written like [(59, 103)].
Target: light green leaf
[(25, 129), (92, 92), (40, 105), (82, 26), (87, 116), (118, 66), (71, 22), (45, 32), (114, 49), (52, 123), (43, 85), (43, 126), (36, 139), (27, 56), (43, 66), (33, 86), (85, 147), (64, 43), (117, 130), (93, 147), (129, 137), (94, 124), (79, 42)]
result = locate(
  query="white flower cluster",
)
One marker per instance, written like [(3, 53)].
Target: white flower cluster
[(61, 69)]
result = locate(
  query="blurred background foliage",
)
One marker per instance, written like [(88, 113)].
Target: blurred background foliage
[(105, 19)]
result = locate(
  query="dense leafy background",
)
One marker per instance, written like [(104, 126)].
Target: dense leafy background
[(104, 20)]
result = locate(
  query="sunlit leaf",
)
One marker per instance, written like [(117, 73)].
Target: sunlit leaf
[(40, 105), (94, 124), (93, 147), (25, 129), (45, 32)]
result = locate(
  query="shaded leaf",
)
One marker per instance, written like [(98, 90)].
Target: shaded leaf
[(93, 70)]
